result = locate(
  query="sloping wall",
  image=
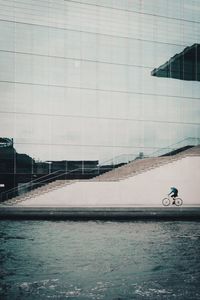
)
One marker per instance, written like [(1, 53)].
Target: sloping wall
[(146, 189)]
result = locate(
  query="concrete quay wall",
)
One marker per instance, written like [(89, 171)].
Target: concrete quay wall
[(101, 213)]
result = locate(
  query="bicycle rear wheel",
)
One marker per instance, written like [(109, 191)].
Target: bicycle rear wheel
[(178, 201), (166, 202)]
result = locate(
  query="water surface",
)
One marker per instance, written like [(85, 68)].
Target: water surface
[(99, 260)]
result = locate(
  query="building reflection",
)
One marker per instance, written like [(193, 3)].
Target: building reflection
[(184, 65)]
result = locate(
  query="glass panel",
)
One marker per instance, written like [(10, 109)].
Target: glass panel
[(6, 36), (76, 79)]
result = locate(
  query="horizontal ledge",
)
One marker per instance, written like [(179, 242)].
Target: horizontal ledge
[(100, 213)]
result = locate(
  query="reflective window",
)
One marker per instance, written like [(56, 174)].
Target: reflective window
[(76, 77)]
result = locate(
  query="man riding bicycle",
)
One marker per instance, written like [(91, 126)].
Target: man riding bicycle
[(173, 193)]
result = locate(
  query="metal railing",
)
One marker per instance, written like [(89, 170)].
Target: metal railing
[(29, 185), (46, 179), (126, 158), (190, 141)]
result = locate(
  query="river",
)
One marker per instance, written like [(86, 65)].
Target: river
[(99, 260)]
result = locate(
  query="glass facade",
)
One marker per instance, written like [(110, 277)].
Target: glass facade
[(76, 83)]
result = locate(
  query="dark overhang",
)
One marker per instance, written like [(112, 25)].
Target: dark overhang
[(184, 65)]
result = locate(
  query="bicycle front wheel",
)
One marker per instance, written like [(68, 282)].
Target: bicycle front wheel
[(166, 202), (178, 201)]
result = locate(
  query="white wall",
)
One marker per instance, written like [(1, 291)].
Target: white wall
[(146, 189)]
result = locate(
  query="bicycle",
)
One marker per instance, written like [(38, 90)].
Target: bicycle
[(167, 201)]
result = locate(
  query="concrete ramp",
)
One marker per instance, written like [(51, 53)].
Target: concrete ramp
[(146, 188)]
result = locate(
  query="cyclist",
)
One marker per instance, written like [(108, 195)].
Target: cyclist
[(173, 193)]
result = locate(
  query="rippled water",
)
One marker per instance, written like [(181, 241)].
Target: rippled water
[(99, 260)]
